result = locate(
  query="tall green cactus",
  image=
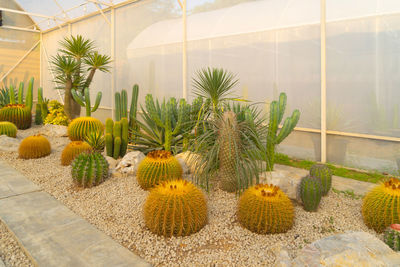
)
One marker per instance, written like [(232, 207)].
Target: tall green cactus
[(124, 104), (29, 95), (133, 108), (84, 101), (117, 106), (277, 110), (121, 105), (310, 190), (21, 93), (12, 94), (109, 137), (116, 137), (38, 112)]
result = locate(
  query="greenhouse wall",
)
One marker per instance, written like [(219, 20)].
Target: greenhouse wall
[(272, 46)]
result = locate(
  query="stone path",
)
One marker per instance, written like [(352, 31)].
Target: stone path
[(1, 263), (51, 233)]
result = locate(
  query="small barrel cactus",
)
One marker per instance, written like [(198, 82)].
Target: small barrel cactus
[(265, 209), (19, 114), (391, 237), (158, 166), (8, 128), (175, 208), (89, 169), (33, 147), (381, 206), (322, 172), (79, 128), (310, 190), (72, 150)]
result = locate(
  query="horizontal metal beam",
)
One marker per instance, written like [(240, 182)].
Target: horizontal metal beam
[(29, 13), (19, 28)]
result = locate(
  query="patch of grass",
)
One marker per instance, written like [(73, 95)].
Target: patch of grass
[(372, 177), (347, 193)]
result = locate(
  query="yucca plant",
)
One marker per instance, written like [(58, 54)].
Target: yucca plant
[(96, 140)]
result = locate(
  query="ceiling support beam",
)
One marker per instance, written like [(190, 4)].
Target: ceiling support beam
[(19, 28), (30, 14)]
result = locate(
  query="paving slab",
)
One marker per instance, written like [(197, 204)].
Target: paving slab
[(2, 263)]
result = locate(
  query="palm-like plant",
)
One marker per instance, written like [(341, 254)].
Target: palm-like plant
[(95, 61)]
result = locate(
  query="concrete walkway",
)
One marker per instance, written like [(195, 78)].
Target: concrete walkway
[(51, 233)]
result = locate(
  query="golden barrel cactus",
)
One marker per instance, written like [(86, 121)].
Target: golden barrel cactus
[(175, 208), (8, 128), (381, 206), (158, 166), (19, 114), (35, 146), (72, 150), (265, 209), (81, 127)]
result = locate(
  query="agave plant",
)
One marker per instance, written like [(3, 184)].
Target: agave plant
[(5, 96), (96, 140)]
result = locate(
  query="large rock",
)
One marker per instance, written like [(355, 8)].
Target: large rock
[(187, 161), (9, 144), (51, 130), (130, 162), (348, 249)]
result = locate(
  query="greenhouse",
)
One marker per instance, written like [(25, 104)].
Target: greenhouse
[(199, 132)]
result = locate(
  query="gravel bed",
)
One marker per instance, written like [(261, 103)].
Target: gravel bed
[(115, 207), (10, 251)]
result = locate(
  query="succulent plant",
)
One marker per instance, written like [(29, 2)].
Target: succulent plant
[(84, 100), (79, 128), (381, 206), (19, 114), (265, 209), (391, 237), (33, 147), (96, 140), (175, 208), (116, 137), (8, 128), (310, 190), (158, 166), (72, 150), (89, 169), (322, 172)]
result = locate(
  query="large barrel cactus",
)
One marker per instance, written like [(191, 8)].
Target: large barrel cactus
[(324, 174), (158, 166), (310, 190), (391, 237), (8, 128), (72, 150), (19, 114), (89, 169), (381, 206), (265, 209), (175, 208), (79, 128), (35, 146)]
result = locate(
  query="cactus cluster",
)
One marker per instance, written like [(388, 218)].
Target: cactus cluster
[(41, 111), (116, 137), (84, 100), (391, 237), (158, 166), (277, 110), (121, 106), (33, 147), (175, 208), (89, 169), (381, 206), (324, 174), (72, 150), (310, 191), (265, 209), (79, 128), (8, 128)]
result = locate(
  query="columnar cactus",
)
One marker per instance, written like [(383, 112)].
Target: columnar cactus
[(265, 209), (277, 110), (38, 111), (310, 192), (109, 137), (391, 237), (84, 100), (324, 174), (8, 128), (72, 150), (79, 128), (175, 208), (89, 169), (19, 114), (158, 166), (381, 206), (33, 147), (116, 137)]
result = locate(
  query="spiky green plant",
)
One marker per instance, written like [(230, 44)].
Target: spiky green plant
[(96, 140), (310, 190), (265, 209), (381, 206), (8, 128), (19, 114), (89, 169), (72, 150), (175, 208), (79, 128), (5, 96), (391, 237), (95, 61), (324, 174), (84, 100), (33, 147)]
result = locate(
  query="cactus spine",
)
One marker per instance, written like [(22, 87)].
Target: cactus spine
[(84, 100), (8, 128), (310, 193), (391, 237), (277, 110), (33, 147), (89, 169), (324, 174), (175, 208), (265, 209)]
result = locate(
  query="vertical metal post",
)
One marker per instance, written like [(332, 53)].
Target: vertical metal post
[(112, 25), (323, 81), (184, 53)]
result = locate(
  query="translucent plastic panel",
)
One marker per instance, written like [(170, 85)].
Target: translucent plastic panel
[(13, 19), (266, 44), (302, 145), (143, 55)]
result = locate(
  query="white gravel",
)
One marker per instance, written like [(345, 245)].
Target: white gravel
[(115, 207)]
